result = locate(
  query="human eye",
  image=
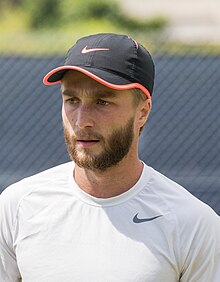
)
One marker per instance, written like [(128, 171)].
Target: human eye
[(103, 102), (72, 100)]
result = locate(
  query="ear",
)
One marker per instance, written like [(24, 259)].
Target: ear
[(144, 111)]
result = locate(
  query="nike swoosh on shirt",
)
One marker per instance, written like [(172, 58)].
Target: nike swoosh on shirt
[(85, 50), (140, 220)]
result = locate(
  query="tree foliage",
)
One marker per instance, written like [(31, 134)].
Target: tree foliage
[(55, 13)]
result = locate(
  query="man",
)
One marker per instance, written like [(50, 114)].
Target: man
[(106, 216)]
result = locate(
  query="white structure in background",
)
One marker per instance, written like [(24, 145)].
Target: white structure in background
[(189, 20)]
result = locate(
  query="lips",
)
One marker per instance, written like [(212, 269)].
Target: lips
[(87, 142)]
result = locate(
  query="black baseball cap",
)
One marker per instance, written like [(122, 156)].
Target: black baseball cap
[(114, 60)]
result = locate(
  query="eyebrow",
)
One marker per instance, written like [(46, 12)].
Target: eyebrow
[(68, 92), (96, 94)]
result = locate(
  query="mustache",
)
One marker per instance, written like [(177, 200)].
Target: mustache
[(87, 135), (82, 134)]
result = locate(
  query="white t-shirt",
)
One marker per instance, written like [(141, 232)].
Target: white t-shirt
[(52, 231)]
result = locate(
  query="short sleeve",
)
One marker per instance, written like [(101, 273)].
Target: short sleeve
[(200, 247), (8, 266)]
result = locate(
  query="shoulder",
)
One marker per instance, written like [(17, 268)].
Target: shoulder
[(197, 226), (188, 213), (11, 197), (27, 197), (176, 197)]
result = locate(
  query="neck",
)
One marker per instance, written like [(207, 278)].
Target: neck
[(111, 182)]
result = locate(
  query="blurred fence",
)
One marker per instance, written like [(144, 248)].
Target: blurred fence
[(181, 139)]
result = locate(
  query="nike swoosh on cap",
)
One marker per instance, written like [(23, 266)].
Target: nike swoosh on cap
[(140, 220), (85, 50)]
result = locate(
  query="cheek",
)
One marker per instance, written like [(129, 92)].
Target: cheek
[(66, 118), (64, 115)]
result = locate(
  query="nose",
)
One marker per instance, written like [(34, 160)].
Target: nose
[(84, 117)]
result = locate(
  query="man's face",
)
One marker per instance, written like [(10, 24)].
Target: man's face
[(99, 123)]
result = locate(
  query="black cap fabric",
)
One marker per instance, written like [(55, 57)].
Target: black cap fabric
[(114, 60)]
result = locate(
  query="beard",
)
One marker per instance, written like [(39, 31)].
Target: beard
[(114, 148)]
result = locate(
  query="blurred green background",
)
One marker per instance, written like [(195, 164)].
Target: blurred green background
[(41, 27), (32, 27)]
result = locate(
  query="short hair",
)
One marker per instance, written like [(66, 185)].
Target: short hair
[(138, 96)]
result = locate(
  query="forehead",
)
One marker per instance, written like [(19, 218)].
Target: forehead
[(75, 82)]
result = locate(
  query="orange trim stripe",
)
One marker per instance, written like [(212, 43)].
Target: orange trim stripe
[(110, 85)]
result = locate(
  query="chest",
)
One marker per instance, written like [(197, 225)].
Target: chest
[(74, 242)]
